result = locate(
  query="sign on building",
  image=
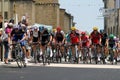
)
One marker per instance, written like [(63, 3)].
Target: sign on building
[(107, 11)]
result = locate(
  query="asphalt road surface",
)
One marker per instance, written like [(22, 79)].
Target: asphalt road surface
[(60, 72)]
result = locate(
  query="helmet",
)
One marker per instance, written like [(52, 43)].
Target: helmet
[(111, 36), (73, 28), (83, 33), (95, 28), (10, 24), (35, 27), (58, 28)]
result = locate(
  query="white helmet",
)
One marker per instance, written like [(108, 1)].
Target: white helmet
[(10, 24), (35, 27)]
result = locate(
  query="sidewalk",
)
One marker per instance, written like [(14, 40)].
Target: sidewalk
[(66, 65)]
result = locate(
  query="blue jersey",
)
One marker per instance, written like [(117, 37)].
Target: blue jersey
[(17, 35)]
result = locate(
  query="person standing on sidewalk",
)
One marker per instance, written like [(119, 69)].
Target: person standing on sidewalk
[(7, 40), (0, 37)]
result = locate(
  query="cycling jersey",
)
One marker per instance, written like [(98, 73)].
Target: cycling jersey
[(95, 38), (17, 35), (59, 36), (68, 37), (45, 37), (103, 39), (111, 43), (85, 41), (74, 37), (36, 35)]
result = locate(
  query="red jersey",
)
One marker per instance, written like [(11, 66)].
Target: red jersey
[(85, 41), (74, 38), (95, 38)]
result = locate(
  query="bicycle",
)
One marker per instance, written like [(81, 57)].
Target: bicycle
[(47, 55), (95, 53), (18, 55), (75, 55), (58, 54), (85, 55), (102, 58), (111, 58), (36, 52)]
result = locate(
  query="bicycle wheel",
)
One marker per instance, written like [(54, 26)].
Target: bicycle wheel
[(76, 54), (19, 61), (35, 57), (111, 55), (84, 55)]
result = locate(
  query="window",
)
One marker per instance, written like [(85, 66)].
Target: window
[(6, 15)]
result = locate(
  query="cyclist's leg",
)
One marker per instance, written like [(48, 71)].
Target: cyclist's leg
[(115, 55), (73, 51), (43, 48), (23, 43), (35, 52), (62, 50)]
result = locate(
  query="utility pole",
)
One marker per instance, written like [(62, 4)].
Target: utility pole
[(3, 29), (3, 14)]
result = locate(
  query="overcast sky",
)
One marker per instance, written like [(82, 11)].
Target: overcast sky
[(86, 13)]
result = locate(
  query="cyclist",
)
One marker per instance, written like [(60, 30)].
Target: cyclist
[(60, 39), (75, 41), (19, 35), (112, 46), (104, 38), (7, 40), (46, 39), (85, 44), (59, 36), (95, 38), (35, 36)]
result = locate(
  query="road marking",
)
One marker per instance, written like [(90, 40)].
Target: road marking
[(107, 66), (86, 66)]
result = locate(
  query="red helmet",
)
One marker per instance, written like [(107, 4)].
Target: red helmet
[(83, 33), (58, 28)]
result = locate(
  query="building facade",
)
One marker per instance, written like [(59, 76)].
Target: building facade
[(45, 12), (111, 17), (66, 20)]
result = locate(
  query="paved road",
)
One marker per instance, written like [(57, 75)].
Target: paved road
[(60, 72)]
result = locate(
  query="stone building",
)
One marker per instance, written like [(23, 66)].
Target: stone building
[(111, 17), (66, 20), (46, 12)]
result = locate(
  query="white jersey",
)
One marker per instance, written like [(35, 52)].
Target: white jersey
[(35, 34)]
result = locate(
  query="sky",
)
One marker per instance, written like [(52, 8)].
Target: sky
[(86, 13)]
